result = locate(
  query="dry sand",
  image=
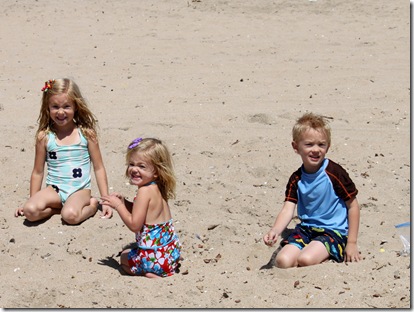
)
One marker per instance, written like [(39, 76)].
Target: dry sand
[(221, 82)]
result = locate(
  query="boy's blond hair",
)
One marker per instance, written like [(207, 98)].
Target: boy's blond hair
[(311, 121)]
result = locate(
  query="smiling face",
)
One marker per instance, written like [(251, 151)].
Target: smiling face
[(312, 147), (140, 171), (61, 110)]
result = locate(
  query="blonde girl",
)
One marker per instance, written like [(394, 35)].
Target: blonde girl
[(67, 142), (149, 168)]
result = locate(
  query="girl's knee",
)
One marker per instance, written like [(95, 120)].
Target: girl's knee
[(74, 215), (124, 257), (94, 202), (71, 216), (31, 212)]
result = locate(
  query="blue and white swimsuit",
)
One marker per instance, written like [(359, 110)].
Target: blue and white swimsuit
[(69, 166)]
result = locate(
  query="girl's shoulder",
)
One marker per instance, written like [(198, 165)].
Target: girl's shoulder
[(42, 135), (149, 192), (89, 134), (146, 190)]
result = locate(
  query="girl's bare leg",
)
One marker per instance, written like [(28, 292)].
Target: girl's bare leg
[(127, 269), (78, 207), (42, 205), (124, 261), (151, 275)]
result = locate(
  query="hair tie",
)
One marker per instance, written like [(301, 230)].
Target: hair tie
[(135, 143), (48, 85)]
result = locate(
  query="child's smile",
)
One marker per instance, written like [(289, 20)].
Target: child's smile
[(140, 171), (62, 110), (312, 147)]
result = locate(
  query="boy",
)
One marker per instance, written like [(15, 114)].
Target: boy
[(326, 202)]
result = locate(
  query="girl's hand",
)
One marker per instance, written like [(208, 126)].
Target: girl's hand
[(118, 195), (19, 212), (113, 200), (270, 238), (106, 212)]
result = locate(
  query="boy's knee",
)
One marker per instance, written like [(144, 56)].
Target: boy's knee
[(305, 260), (283, 261)]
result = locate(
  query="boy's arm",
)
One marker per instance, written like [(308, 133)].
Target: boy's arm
[(282, 221), (351, 249)]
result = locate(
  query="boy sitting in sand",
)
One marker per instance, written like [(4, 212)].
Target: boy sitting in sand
[(326, 202)]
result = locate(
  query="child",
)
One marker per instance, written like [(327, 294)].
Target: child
[(149, 167), (326, 203), (67, 141)]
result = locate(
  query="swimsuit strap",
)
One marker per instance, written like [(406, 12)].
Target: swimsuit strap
[(150, 183)]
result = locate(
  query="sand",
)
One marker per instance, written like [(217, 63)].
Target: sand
[(222, 83)]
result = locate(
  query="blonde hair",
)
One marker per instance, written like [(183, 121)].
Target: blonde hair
[(311, 121), (83, 118), (158, 154)]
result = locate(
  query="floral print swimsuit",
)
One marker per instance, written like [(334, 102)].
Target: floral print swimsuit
[(158, 250)]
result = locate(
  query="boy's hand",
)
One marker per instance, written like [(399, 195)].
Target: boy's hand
[(270, 238), (352, 253)]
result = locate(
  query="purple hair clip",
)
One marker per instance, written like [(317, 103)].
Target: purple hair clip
[(135, 143)]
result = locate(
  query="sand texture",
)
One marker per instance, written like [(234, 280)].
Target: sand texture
[(222, 83)]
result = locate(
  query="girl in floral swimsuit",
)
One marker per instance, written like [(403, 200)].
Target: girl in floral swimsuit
[(149, 167)]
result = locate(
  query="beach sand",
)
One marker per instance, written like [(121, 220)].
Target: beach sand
[(222, 83)]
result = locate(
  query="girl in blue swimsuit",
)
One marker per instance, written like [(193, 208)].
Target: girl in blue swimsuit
[(66, 141)]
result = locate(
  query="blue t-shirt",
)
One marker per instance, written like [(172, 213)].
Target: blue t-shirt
[(321, 196)]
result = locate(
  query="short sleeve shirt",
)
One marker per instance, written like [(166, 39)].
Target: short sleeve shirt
[(321, 196)]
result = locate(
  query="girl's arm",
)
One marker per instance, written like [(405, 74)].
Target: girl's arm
[(128, 204), (36, 178), (100, 173), (351, 249), (282, 221), (135, 220)]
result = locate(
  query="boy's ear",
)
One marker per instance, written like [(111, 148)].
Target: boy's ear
[(295, 146)]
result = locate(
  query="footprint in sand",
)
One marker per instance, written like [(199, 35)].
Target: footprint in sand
[(260, 118)]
